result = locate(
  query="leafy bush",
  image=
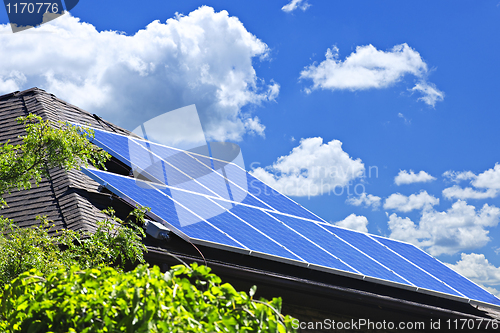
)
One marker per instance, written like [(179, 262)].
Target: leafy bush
[(114, 243), (185, 299)]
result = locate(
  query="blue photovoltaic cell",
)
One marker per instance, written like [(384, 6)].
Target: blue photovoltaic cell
[(189, 166), (219, 164), (237, 180), (392, 261), (215, 183), (151, 166), (203, 175), (277, 200), (293, 241), (159, 203), (181, 160), (164, 207), (206, 161), (171, 175), (440, 271), (194, 169), (340, 249), (251, 201), (116, 145), (199, 231), (248, 236), (199, 205), (146, 165)]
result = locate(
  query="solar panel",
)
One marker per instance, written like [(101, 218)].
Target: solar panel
[(156, 163), (435, 267), (218, 204)]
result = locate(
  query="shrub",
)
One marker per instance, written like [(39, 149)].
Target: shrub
[(185, 299)]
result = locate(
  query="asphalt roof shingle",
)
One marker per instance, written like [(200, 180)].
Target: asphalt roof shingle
[(71, 199)]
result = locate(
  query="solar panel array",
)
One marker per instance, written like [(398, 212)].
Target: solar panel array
[(216, 203)]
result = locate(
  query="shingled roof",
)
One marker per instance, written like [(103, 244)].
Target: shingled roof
[(70, 199)]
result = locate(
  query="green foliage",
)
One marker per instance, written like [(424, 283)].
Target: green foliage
[(46, 145), (185, 299), (114, 243), (26, 248)]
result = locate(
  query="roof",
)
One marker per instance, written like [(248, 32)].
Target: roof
[(70, 199), (73, 200)]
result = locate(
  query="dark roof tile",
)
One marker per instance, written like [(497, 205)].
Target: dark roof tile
[(70, 199)]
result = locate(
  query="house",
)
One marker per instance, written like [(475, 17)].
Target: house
[(316, 298)]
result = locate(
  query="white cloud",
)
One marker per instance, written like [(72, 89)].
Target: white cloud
[(430, 93), (204, 58), (492, 290), (254, 126), (369, 68), (456, 177), (489, 180), (11, 81), (477, 268), (354, 222), (313, 168), (367, 200), (403, 203), (405, 177), (456, 192), (459, 228), (294, 4)]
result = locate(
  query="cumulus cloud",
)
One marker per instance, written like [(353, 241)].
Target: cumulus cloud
[(405, 177), (354, 222), (204, 58), (477, 268), (459, 228), (456, 192), (313, 168), (294, 4), (369, 68), (490, 179), (487, 182), (367, 200), (457, 177), (403, 203)]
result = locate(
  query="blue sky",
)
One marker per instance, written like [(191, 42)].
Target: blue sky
[(347, 95)]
